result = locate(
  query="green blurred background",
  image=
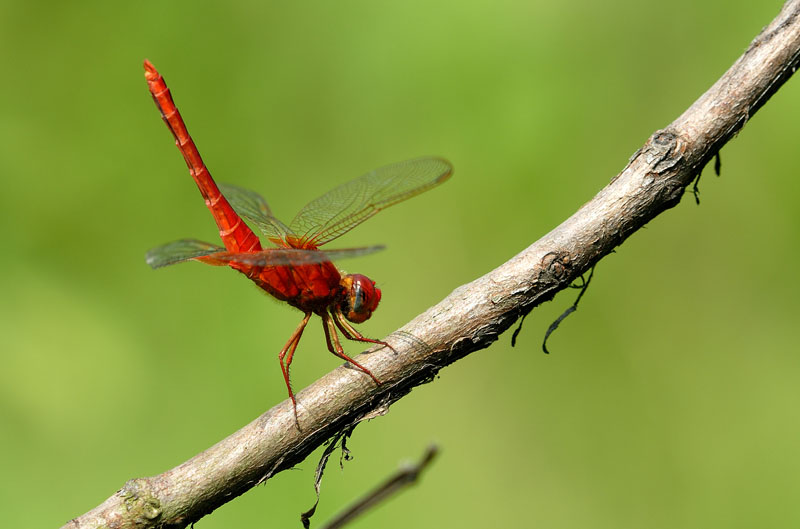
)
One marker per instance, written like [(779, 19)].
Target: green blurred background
[(671, 398)]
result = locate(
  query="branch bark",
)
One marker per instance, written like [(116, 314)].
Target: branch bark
[(473, 315)]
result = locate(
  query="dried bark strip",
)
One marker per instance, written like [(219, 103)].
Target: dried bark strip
[(474, 315)]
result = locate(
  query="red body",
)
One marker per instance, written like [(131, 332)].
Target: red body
[(296, 271), (312, 287)]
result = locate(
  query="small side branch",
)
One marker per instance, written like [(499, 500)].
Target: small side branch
[(403, 478)]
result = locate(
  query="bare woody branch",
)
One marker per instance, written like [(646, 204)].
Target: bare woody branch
[(473, 315), (402, 479)]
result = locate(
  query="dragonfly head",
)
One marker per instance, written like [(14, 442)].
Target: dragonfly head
[(361, 297)]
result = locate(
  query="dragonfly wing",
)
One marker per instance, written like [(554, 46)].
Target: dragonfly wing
[(179, 251), (254, 208), (286, 256), (344, 207)]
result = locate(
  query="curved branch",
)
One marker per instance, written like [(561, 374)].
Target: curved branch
[(473, 315)]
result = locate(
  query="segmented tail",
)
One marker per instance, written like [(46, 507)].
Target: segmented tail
[(235, 234)]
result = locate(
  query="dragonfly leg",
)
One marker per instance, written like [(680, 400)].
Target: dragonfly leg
[(351, 333), (290, 347), (335, 346)]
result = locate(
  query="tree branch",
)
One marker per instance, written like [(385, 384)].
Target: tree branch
[(406, 476), (473, 315)]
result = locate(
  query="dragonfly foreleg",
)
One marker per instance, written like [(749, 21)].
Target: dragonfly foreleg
[(351, 333), (335, 346)]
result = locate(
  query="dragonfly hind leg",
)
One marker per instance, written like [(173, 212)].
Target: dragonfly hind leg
[(335, 346), (290, 347)]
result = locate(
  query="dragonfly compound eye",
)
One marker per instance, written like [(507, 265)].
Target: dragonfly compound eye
[(361, 297)]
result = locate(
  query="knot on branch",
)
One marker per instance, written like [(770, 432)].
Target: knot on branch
[(665, 162), (140, 501), (556, 268), (663, 151)]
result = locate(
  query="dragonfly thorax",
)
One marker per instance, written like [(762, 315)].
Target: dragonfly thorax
[(361, 297)]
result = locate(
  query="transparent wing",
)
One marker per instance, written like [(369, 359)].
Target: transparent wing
[(345, 207), (286, 256), (179, 251), (253, 208)]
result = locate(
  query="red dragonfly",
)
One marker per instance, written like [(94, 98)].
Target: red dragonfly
[(295, 271)]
